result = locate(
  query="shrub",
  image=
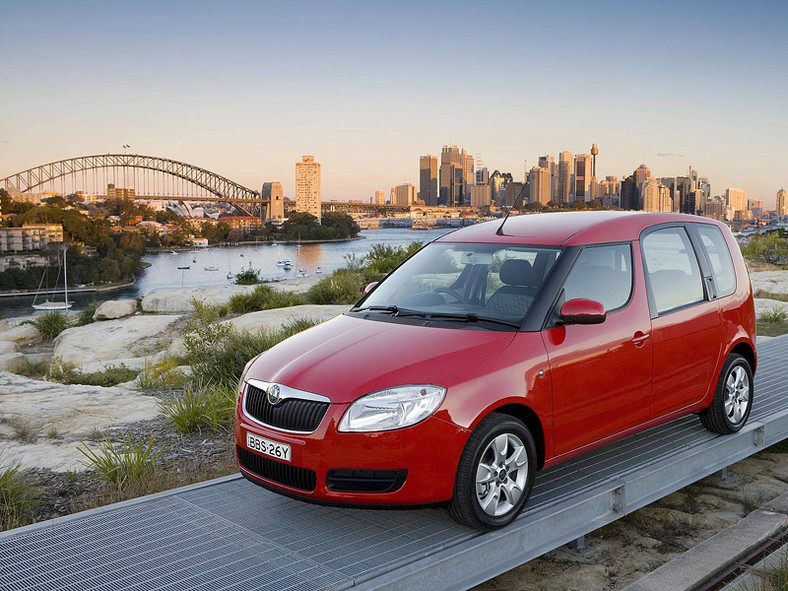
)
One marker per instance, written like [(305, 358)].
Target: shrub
[(18, 499), (111, 375), (33, 369), (343, 286), (383, 259), (218, 353), (85, 316), (23, 429), (199, 407), (262, 298), (127, 466), (248, 276), (50, 324)]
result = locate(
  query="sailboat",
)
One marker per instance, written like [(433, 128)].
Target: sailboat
[(52, 305)]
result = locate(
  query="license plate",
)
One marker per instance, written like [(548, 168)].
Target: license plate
[(280, 451)]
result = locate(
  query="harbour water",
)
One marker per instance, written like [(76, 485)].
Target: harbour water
[(211, 266)]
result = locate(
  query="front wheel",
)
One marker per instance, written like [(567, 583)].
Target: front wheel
[(732, 401), (495, 474)]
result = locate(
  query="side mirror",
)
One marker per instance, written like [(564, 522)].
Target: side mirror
[(370, 287), (582, 311)]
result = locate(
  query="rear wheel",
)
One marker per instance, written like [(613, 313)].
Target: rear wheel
[(495, 474), (732, 401)]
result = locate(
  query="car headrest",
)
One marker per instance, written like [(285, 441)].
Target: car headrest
[(517, 272)]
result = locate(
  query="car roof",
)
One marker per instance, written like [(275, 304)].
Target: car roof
[(569, 228)]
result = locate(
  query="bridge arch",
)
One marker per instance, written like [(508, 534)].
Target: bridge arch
[(223, 188)]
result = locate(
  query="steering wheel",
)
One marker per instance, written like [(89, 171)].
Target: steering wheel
[(458, 297)]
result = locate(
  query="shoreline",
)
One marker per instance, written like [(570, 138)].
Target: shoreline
[(73, 291), (179, 249)]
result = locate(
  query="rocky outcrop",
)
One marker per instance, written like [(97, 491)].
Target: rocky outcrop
[(112, 309), (770, 281), (7, 347), (270, 320), (138, 336), (12, 361), (71, 411), (21, 334), (180, 300)]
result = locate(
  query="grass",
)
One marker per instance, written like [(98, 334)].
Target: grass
[(33, 370), (23, 429), (52, 432), (773, 579), (51, 324), (774, 315), (262, 298), (125, 466), (111, 375), (772, 323), (196, 408), (18, 499), (162, 375)]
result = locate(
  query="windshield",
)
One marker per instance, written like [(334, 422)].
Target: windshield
[(493, 283)]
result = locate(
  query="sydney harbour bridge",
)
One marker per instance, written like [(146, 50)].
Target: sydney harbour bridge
[(151, 177)]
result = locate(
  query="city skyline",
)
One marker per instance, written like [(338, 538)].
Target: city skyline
[(246, 90)]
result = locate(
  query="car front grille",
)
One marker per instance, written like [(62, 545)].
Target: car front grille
[(373, 481), (287, 474), (293, 414)]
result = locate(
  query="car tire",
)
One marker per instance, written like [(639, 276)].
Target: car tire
[(733, 396), (495, 474)]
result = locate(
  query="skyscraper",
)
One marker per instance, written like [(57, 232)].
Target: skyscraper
[(548, 162), (656, 197), (641, 173), (583, 176), (539, 181), (498, 183), (630, 197), (451, 177), (467, 176), (379, 198), (564, 189), (428, 179), (482, 176), (276, 204), (781, 202), (480, 195), (736, 199), (403, 195), (307, 174)]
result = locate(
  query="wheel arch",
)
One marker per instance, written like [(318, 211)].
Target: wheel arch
[(746, 350), (531, 420)]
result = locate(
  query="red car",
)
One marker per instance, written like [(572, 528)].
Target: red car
[(493, 353)]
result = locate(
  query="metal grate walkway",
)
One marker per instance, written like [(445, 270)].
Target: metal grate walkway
[(230, 534)]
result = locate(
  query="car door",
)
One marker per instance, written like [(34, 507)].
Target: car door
[(685, 323), (601, 373)]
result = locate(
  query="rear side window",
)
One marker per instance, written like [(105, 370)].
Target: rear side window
[(672, 269), (602, 273), (720, 258)]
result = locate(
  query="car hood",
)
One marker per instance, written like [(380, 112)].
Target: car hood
[(348, 357)]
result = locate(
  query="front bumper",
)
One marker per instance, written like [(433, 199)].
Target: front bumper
[(427, 454)]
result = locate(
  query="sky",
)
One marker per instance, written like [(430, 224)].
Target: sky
[(245, 88)]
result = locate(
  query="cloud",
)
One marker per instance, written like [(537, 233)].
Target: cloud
[(4, 142), (670, 155)]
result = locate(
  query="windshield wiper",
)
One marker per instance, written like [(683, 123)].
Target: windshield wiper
[(395, 310), (471, 317)]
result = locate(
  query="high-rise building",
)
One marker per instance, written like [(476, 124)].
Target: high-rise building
[(756, 207), (467, 176), (641, 173), (403, 195), (379, 198), (307, 173), (609, 186), (276, 202), (714, 209), (498, 183), (548, 162), (583, 176), (564, 190), (512, 191), (540, 182), (482, 176), (480, 195), (736, 199), (781, 202), (451, 177), (630, 196), (428, 179)]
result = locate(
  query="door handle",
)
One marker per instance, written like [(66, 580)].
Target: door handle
[(640, 339)]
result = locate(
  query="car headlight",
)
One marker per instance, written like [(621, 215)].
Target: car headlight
[(393, 408), (243, 375)]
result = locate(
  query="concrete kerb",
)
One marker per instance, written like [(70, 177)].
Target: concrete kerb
[(720, 552)]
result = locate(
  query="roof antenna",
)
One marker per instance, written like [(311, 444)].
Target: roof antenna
[(499, 231)]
